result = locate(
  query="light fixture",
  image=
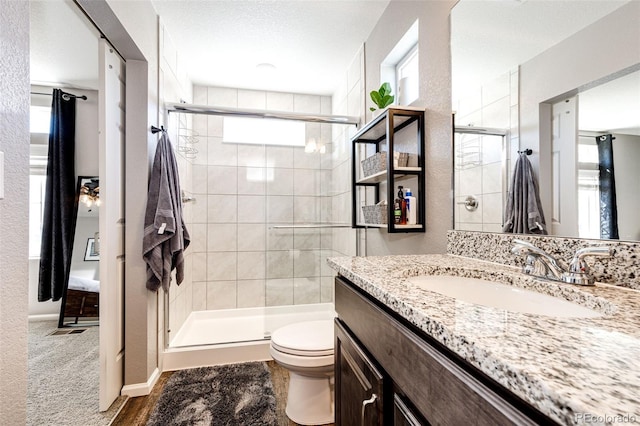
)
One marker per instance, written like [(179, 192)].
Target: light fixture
[(90, 193), (312, 146), (266, 68)]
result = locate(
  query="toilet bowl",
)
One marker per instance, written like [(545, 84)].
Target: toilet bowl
[(306, 350)]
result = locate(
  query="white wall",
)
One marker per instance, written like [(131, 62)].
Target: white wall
[(591, 55), (14, 209), (435, 96)]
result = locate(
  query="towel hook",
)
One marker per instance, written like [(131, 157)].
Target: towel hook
[(527, 151), (155, 130)]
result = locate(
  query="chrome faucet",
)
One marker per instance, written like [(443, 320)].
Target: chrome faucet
[(579, 270), (539, 263)]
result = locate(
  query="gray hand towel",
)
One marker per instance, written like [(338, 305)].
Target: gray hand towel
[(165, 235), (524, 211)]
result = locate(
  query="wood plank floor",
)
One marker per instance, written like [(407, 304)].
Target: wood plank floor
[(137, 410)]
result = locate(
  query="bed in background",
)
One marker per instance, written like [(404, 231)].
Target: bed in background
[(83, 298)]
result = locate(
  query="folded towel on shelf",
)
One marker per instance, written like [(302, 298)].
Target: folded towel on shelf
[(524, 214), (165, 235)]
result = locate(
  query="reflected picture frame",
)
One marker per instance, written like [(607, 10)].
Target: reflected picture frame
[(91, 253)]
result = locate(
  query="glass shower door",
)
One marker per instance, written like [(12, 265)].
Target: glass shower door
[(480, 179)]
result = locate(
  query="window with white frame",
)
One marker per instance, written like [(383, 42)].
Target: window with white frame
[(401, 68), (37, 186), (407, 72), (40, 118)]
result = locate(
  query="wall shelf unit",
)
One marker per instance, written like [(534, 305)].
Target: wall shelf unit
[(396, 129)]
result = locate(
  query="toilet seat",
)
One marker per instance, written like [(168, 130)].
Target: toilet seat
[(306, 339)]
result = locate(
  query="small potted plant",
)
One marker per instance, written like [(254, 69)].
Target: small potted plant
[(382, 97)]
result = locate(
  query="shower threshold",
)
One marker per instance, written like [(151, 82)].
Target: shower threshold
[(230, 326), (234, 335)]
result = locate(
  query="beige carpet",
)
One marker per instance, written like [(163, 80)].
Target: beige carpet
[(63, 378)]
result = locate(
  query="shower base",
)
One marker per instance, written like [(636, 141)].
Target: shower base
[(234, 335)]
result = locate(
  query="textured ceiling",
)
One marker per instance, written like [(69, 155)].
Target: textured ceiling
[(310, 43)]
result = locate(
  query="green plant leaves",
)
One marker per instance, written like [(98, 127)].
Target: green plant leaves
[(382, 97), (385, 89)]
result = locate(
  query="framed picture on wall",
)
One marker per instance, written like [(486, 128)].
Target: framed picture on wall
[(91, 253)]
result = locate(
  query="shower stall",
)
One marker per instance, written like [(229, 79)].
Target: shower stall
[(266, 201)]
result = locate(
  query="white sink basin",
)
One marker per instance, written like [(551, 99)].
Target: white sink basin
[(502, 296)]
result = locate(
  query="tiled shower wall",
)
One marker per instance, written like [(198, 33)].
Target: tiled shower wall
[(238, 258), (478, 166), (348, 99)]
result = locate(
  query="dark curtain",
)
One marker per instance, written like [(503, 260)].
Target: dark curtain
[(58, 224), (608, 206)]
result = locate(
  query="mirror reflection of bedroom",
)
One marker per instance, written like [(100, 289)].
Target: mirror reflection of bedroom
[(64, 208), (80, 300)]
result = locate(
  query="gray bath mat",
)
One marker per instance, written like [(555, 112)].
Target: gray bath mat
[(238, 394)]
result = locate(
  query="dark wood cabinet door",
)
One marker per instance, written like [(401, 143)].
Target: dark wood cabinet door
[(404, 415), (359, 384)]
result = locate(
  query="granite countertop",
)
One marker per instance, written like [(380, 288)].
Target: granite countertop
[(574, 370)]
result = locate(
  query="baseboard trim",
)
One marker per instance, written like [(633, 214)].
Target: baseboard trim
[(44, 317), (141, 389)]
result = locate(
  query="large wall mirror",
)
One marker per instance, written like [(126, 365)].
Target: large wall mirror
[(553, 77), (81, 300)]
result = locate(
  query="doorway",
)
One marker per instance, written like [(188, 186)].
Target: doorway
[(71, 60)]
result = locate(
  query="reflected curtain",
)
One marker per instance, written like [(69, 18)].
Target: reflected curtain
[(58, 223), (608, 205)]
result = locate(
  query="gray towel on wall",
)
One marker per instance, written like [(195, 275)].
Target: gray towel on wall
[(165, 235), (524, 211)]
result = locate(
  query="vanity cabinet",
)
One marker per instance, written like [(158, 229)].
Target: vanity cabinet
[(359, 379), (421, 382), (396, 130)]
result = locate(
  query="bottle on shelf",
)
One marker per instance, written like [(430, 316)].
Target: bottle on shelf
[(400, 208), (412, 207)]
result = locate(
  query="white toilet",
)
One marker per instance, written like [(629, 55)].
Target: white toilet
[(306, 350)]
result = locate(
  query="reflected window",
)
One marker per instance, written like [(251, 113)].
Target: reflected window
[(588, 189)]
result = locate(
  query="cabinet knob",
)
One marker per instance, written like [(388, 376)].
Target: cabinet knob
[(365, 403)]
